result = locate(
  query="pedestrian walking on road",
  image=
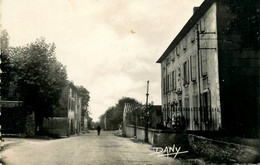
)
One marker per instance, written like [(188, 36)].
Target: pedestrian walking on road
[(98, 129)]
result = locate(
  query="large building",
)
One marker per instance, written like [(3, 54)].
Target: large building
[(208, 79), (66, 119)]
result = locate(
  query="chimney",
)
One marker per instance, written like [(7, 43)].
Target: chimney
[(195, 9)]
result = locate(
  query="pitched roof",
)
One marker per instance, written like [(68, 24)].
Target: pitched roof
[(187, 27)]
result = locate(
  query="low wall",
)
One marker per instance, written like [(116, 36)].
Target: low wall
[(57, 126), (140, 133), (213, 150), (221, 151), (160, 138)]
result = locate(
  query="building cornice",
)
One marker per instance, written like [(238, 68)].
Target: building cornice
[(187, 27)]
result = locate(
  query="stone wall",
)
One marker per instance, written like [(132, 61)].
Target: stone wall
[(170, 138), (159, 138), (213, 150), (57, 126), (220, 151)]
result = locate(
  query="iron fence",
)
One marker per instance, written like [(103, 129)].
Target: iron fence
[(194, 119)]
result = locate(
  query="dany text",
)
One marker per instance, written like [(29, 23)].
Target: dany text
[(168, 151)]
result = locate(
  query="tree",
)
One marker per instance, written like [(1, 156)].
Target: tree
[(245, 22), (114, 114), (8, 74), (83, 93), (41, 78)]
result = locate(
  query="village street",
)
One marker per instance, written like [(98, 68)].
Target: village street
[(80, 150)]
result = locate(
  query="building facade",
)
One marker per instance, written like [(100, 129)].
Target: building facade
[(74, 111), (203, 75), (66, 119)]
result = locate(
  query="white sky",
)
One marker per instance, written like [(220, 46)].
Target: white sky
[(109, 46)]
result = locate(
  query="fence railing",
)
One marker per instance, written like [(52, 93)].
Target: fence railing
[(194, 119)]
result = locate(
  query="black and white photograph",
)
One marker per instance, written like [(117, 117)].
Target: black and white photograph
[(129, 82)]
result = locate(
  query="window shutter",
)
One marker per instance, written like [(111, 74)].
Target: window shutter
[(193, 67), (204, 60)]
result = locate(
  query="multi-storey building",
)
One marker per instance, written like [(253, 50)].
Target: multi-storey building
[(74, 110), (207, 78), (66, 119)]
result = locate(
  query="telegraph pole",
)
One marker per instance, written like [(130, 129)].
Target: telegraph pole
[(0, 104), (198, 53), (146, 114)]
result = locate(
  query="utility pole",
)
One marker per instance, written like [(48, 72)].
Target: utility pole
[(199, 69), (146, 114), (198, 53), (0, 104)]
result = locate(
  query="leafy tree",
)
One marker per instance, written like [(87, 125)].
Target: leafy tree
[(83, 93), (41, 78), (89, 119), (8, 74), (245, 22), (114, 114)]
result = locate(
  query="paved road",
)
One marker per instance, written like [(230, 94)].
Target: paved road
[(81, 150)]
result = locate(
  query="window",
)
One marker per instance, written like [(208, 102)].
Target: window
[(164, 86), (167, 61), (204, 61), (173, 81), (186, 72), (206, 100), (195, 88), (195, 101), (180, 103), (202, 25), (185, 44), (165, 112), (186, 102), (173, 56), (177, 50), (170, 82), (193, 34), (193, 67), (167, 83)]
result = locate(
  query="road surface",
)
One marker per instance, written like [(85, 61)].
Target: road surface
[(81, 150)]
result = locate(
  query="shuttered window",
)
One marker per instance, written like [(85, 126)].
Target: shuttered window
[(193, 66), (186, 72), (204, 60), (173, 81)]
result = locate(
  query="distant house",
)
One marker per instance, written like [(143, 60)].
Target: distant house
[(66, 120), (85, 119), (207, 79)]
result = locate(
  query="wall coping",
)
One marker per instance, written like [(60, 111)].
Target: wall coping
[(156, 130)]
